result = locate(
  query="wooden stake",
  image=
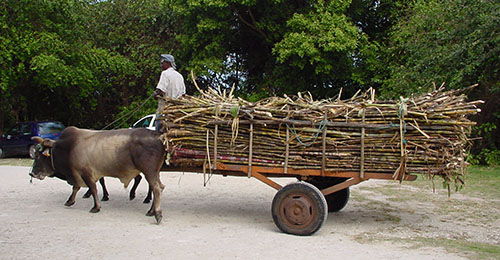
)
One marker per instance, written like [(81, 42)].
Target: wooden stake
[(362, 162), (287, 149), (323, 150), (250, 152), (215, 146), (217, 109)]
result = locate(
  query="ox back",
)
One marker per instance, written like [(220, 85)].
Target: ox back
[(122, 154)]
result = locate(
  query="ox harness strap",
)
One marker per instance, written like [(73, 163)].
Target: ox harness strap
[(52, 159)]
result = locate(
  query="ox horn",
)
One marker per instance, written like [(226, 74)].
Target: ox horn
[(44, 142), (48, 143), (37, 139)]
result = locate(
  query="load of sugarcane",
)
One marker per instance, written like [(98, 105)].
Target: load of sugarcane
[(426, 134)]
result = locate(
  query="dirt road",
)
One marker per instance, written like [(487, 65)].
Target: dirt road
[(228, 219)]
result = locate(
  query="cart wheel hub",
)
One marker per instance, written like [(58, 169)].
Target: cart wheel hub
[(297, 209)]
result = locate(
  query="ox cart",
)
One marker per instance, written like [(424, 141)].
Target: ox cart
[(328, 145)]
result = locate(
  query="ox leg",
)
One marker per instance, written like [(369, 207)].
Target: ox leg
[(71, 199), (105, 196), (150, 192), (148, 197), (155, 185), (93, 189), (137, 180), (87, 194)]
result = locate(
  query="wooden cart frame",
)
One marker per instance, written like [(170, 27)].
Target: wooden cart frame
[(299, 208)]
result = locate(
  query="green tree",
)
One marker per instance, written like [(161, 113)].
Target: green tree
[(140, 31), (49, 69), (276, 46), (326, 45), (376, 19), (452, 41)]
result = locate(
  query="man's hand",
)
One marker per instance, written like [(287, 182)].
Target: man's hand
[(158, 93)]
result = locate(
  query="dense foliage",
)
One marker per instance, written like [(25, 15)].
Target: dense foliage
[(87, 62), (457, 42)]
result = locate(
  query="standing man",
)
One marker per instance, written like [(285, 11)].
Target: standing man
[(171, 84)]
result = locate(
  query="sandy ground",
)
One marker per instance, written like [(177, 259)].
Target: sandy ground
[(228, 219)]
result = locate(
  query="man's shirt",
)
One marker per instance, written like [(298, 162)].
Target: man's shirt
[(171, 83)]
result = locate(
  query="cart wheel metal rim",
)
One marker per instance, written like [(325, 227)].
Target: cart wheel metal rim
[(297, 209)]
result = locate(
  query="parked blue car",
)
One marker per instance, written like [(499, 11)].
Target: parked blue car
[(17, 140)]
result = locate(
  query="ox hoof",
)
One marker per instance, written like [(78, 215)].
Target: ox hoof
[(95, 210), (158, 217), (86, 195), (150, 213), (69, 203), (146, 201), (105, 198), (132, 196)]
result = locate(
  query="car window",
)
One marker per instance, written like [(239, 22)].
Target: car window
[(14, 131), (143, 123), (26, 129), (50, 127)]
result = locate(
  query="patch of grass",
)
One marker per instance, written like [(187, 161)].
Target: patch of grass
[(455, 206), (16, 161), (367, 237), (469, 249), (483, 182), (477, 250), (426, 182), (476, 207)]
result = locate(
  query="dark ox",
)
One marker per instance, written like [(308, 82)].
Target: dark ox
[(82, 157)]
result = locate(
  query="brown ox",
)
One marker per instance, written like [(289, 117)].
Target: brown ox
[(82, 157)]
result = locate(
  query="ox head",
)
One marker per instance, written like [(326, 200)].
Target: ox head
[(43, 163)]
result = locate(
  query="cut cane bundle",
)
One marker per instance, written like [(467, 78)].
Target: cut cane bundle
[(420, 135)]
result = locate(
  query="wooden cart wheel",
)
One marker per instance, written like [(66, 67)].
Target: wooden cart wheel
[(336, 201), (299, 209)]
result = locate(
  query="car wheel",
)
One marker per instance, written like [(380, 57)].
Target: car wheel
[(2, 154), (32, 151)]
